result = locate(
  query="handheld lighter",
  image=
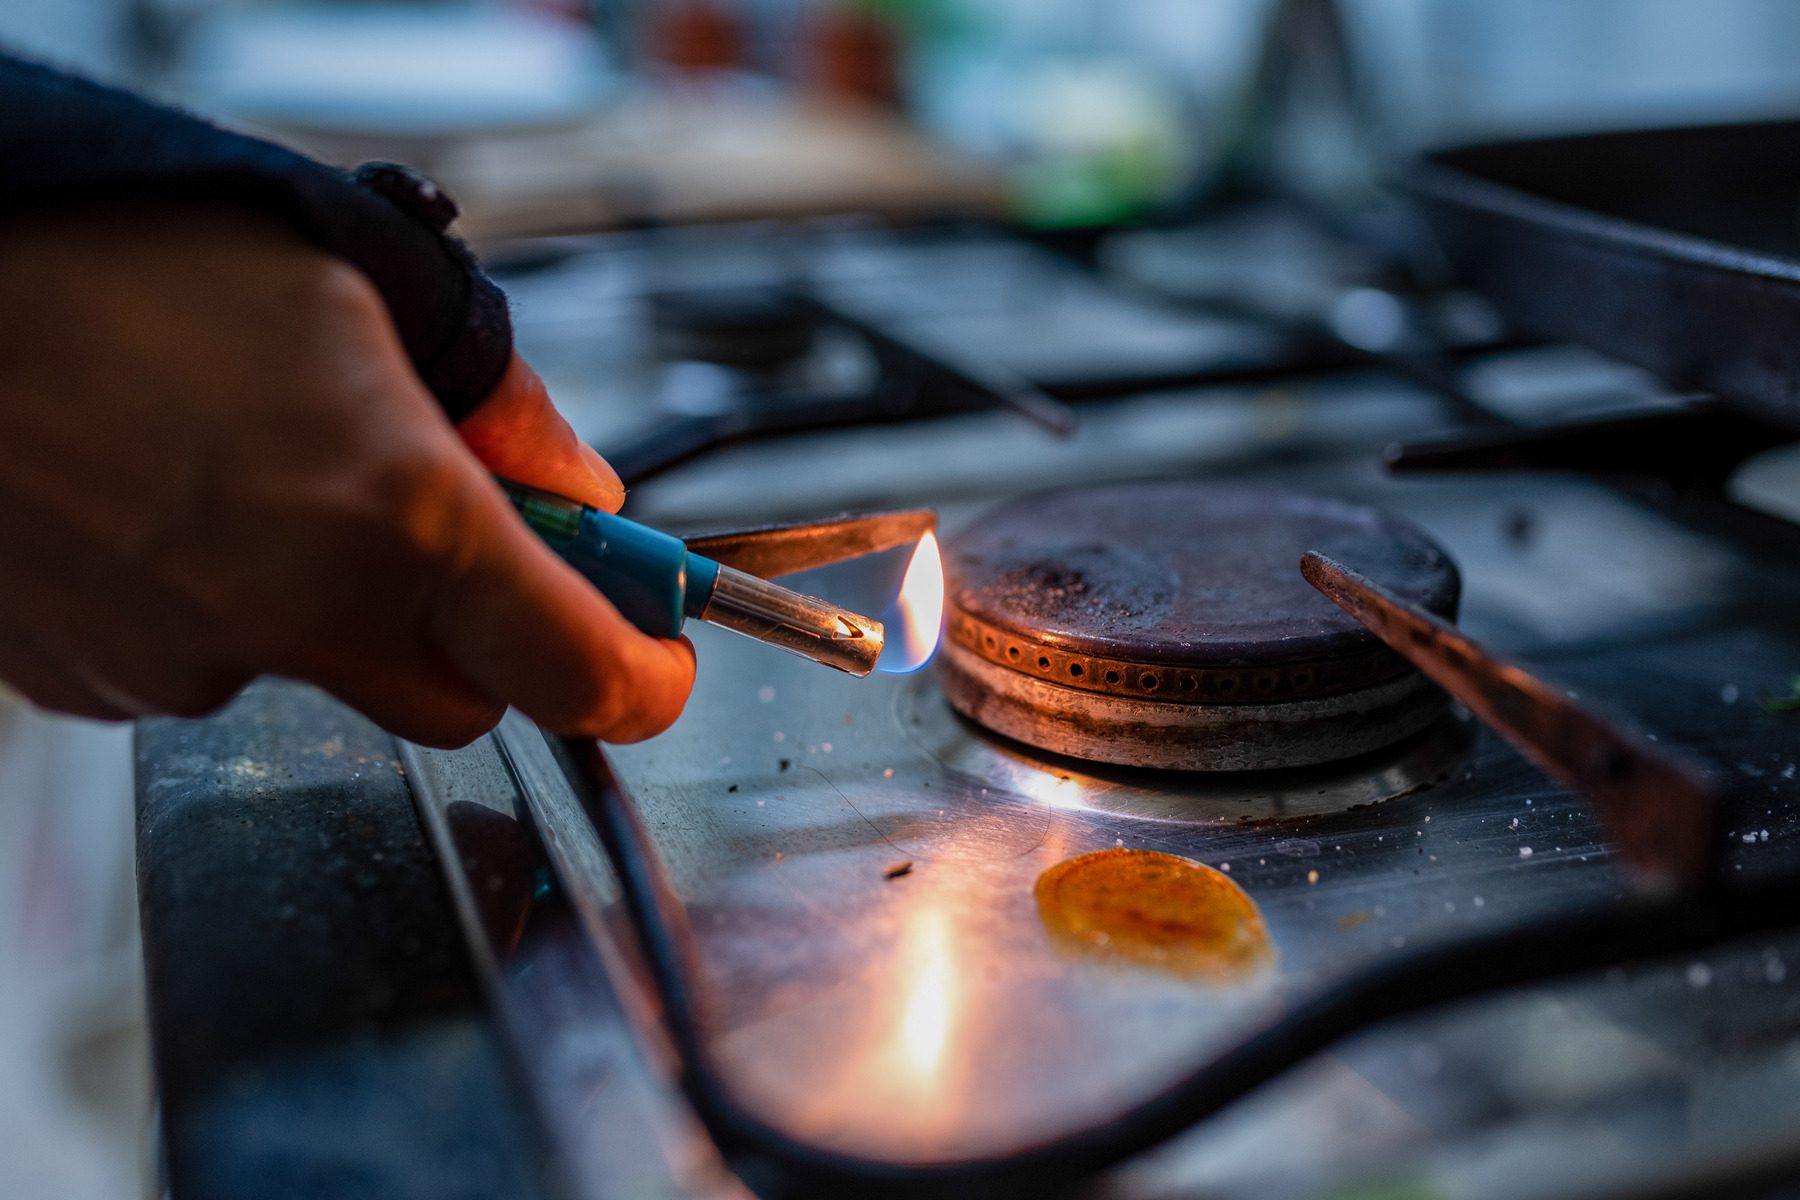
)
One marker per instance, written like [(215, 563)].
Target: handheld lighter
[(657, 583)]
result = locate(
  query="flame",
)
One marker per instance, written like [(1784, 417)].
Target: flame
[(917, 617)]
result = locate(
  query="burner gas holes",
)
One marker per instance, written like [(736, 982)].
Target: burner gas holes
[(1164, 625)]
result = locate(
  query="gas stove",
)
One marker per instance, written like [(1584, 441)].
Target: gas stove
[(933, 933)]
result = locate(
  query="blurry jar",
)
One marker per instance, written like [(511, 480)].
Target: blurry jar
[(853, 51), (695, 35)]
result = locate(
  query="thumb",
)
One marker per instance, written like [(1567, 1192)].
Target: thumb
[(518, 434), (522, 626)]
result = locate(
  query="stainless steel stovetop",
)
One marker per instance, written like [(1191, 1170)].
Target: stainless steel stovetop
[(929, 1016)]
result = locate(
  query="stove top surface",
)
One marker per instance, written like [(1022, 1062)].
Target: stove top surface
[(930, 1015), (863, 871), (933, 1014)]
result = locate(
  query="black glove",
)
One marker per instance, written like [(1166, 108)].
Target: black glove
[(67, 141)]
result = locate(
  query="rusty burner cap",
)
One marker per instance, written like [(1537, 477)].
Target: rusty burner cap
[(1168, 625)]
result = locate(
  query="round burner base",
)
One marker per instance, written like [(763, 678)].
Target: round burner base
[(1189, 737), (1168, 625)]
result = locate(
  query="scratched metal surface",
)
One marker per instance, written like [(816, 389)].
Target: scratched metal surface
[(931, 1014)]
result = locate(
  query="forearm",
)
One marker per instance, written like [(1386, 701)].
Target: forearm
[(69, 142)]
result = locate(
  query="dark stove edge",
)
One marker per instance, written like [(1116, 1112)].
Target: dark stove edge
[(315, 1022)]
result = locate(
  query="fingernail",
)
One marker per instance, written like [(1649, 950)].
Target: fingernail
[(606, 480)]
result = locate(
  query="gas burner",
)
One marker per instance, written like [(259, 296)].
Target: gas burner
[(1168, 625), (1297, 795)]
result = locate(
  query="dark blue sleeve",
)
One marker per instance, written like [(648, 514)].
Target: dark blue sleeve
[(66, 141)]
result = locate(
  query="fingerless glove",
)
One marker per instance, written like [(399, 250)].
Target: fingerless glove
[(66, 141)]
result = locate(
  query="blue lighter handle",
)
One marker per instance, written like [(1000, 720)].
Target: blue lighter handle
[(647, 574)]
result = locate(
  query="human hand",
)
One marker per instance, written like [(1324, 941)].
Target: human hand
[(217, 462)]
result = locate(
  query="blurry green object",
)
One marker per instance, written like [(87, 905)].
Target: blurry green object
[(1783, 704), (1098, 190), (1097, 114), (1101, 141), (1393, 1189), (899, 11)]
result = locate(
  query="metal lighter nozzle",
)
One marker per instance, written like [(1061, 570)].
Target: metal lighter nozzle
[(656, 582), (798, 623)]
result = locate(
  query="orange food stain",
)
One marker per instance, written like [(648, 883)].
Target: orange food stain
[(1155, 910)]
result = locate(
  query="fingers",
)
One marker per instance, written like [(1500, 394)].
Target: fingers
[(430, 705), (518, 434), (289, 502), (519, 623), (73, 651), (170, 686), (117, 674), (54, 686), (407, 585)]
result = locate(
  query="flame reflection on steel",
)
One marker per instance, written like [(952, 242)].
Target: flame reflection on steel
[(1056, 791), (930, 998), (917, 617), (909, 1057)]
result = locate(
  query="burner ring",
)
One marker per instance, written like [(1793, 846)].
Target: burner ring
[(1168, 625), (1186, 737), (1177, 685)]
